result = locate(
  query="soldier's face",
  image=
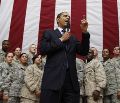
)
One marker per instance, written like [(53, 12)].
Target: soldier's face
[(9, 58), (95, 51), (38, 60), (33, 49), (116, 51), (17, 51), (105, 53), (24, 59), (5, 46), (90, 55), (63, 20)]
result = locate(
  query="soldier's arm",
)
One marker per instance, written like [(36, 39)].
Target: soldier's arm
[(117, 76), (7, 84), (39, 87), (29, 79), (80, 67), (1, 80), (100, 76)]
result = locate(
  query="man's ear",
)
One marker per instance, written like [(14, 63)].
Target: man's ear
[(57, 20)]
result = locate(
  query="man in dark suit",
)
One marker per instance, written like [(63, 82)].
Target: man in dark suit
[(60, 82)]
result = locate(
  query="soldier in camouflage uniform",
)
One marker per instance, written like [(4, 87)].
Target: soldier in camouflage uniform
[(33, 76), (17, 55), (80, 66), (95, 52), (94, 79), (32, 52), (23, 61), (18, 80), (4, 50), (7, 71), (112, 90), (116, 56)]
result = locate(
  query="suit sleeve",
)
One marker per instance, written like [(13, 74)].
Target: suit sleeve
[(83, 47), (50, 44)]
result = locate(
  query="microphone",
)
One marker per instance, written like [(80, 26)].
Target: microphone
[(68, 27)]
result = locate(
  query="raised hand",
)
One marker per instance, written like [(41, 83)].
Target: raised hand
[(84, 24)]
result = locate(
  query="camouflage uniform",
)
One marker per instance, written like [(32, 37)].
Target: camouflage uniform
[(2, 56), (80, 66), (24, 67), (30, 56), (33, 78), (116, 60), (12, 81), (16, 60), (1, 83), (95, 79), (113, 81)]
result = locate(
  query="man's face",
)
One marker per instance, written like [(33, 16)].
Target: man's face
[(105, 53), (17, 51), (95, 51), (116, 51), (5, 46), (33, 49), (63, 20), (90, 55), (9, 58)]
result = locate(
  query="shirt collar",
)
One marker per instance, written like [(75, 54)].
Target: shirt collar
[(60, 29)]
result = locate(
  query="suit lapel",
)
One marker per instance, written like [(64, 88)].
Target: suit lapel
[(68, 44), (57, 32)]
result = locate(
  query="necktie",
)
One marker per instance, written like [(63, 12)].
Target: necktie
[(66, 47), (63, 31)]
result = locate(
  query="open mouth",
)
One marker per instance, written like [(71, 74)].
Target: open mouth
[(67, 21)]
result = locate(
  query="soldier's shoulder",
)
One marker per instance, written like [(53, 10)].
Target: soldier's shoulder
[(1, 51), (2, 64), (30, 67), (79, 60)]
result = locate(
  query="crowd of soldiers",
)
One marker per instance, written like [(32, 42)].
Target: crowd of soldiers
[(21, 76), (99, 80)]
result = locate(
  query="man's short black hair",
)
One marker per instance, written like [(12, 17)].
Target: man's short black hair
[(3, 42), (59, 15)]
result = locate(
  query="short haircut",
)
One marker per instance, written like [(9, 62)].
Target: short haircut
[(3, 42), (59, 15)]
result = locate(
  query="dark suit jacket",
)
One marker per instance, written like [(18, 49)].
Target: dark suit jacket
[(58, 57)]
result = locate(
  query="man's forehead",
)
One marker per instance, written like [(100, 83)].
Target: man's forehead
[(65, 13), (6, 42), (105, 51), (116, 48)]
